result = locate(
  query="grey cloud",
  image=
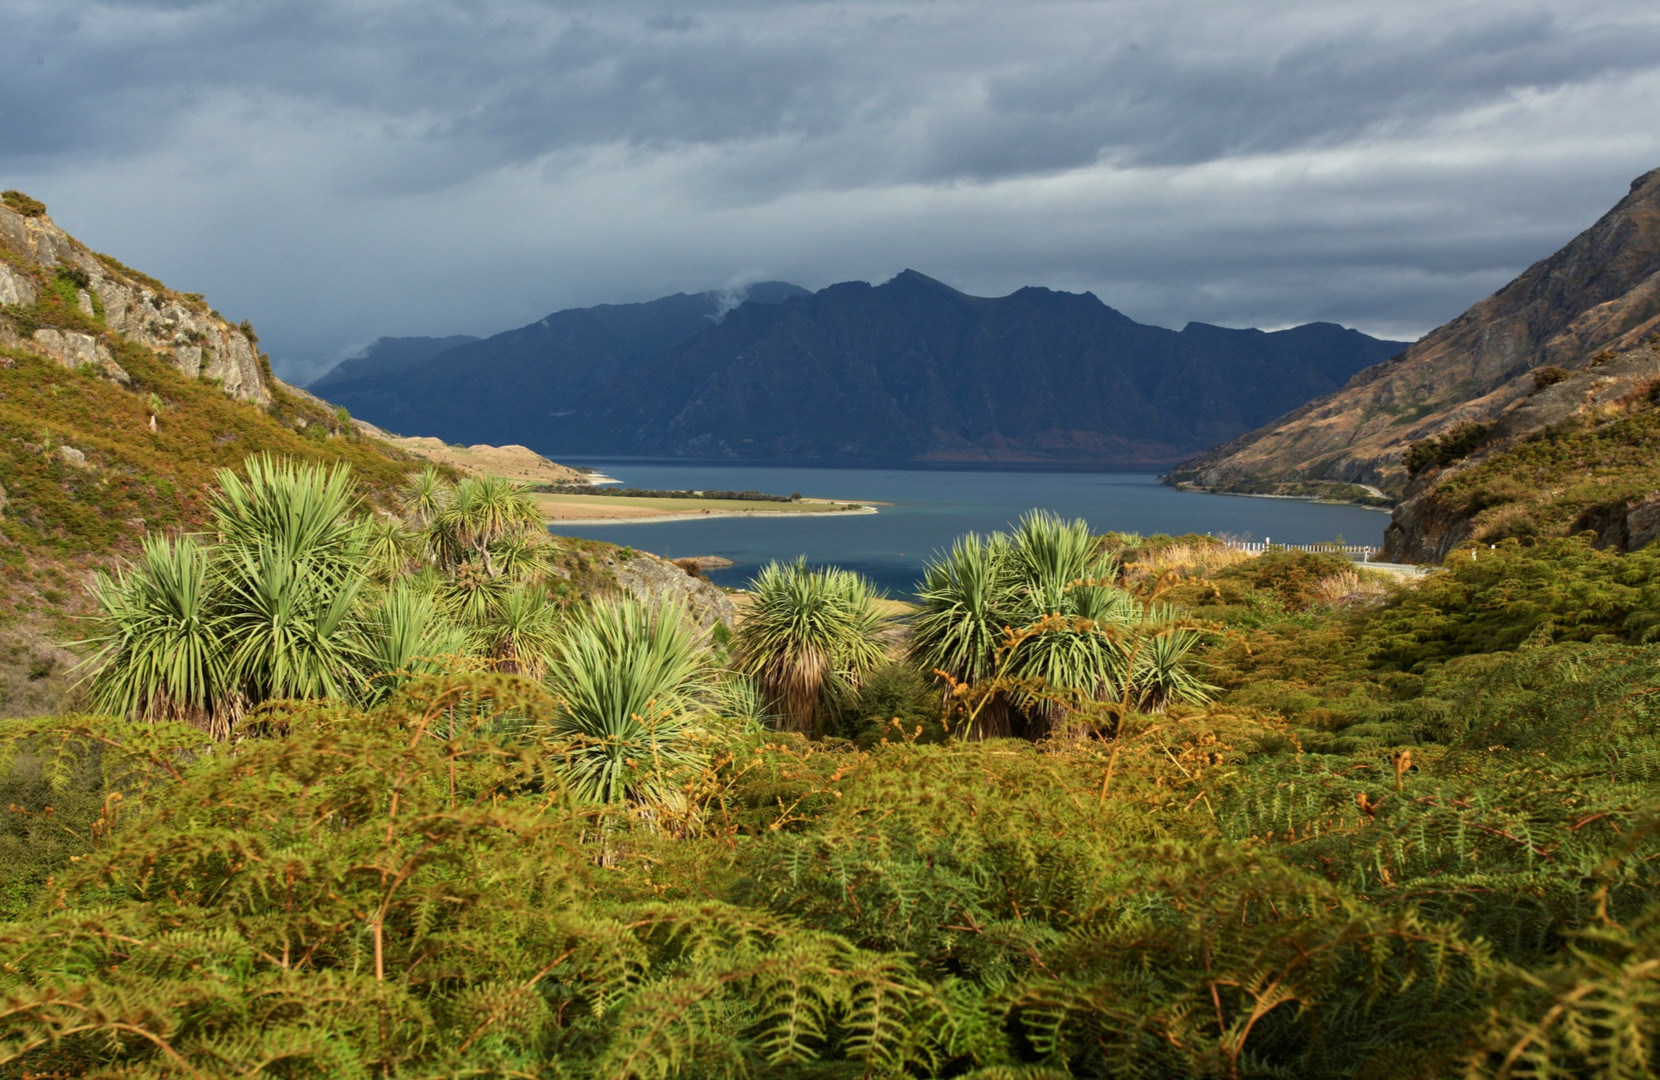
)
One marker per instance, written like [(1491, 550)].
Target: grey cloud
[(342, 169), (464, 89)]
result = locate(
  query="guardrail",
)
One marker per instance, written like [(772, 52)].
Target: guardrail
[(1357, 552)]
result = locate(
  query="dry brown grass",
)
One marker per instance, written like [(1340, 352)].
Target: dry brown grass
[(1185, 561), (513, 462), (1350, 587)]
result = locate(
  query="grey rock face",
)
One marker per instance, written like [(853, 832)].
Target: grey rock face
[(72, 456), (74, 350), (200, 345), (15, 288), (652, 580), (1642, 524), (40, 240)]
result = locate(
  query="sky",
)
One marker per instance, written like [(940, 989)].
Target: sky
[(335, 171)]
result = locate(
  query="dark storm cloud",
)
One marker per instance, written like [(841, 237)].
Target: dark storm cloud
[(342, 169)]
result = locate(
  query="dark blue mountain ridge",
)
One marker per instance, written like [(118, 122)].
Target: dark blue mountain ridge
[(511, 382), (910, 369), (386, 355)]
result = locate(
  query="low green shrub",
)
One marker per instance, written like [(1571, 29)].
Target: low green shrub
[(1442, 450), (23, 204)]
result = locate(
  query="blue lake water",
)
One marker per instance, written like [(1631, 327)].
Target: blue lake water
[(933, 506)]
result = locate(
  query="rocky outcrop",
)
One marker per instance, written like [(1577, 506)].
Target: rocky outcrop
[(178, 326), (1600, 292), (16, 287), (201, 345), (38, 240), (74, 350), (652, 581)]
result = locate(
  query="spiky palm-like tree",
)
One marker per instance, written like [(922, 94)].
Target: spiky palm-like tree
[(629, 682), (1163, 673), (485, 511), (1076, 636), (159, 644), (521, 634), (293, 511), (389, 549), (290, 630), (423, 496), (1061, 580), (965, 614), (808, 636), (292, 562), (406, 633), (270, 611)]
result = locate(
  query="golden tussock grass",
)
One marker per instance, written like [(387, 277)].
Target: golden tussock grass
[(1350, 587), (1185, 561)]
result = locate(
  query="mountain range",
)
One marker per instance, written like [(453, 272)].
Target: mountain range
[(909, 370)]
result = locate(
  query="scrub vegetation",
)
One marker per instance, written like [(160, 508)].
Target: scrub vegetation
[(382, 793)]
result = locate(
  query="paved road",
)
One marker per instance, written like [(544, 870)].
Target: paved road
[(1397, 568)]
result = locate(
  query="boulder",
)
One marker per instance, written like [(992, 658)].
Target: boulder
[(1642, 524)]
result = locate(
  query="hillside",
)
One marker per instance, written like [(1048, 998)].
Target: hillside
[(119, 397), (907, 370), (1600, 292), (119, 400), (1577, 455)]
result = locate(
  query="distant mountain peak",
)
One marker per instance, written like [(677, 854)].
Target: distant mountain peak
[(917, 279), (387, 354)]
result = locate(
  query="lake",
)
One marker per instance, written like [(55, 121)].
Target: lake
[(932, 506)]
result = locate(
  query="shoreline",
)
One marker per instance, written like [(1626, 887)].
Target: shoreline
[(1296, 498), (708, 515)]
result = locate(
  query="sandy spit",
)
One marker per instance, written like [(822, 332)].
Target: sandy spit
[(694, 515)]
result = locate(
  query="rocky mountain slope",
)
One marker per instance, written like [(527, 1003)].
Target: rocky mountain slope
[(1601, 292), (907, 370)]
